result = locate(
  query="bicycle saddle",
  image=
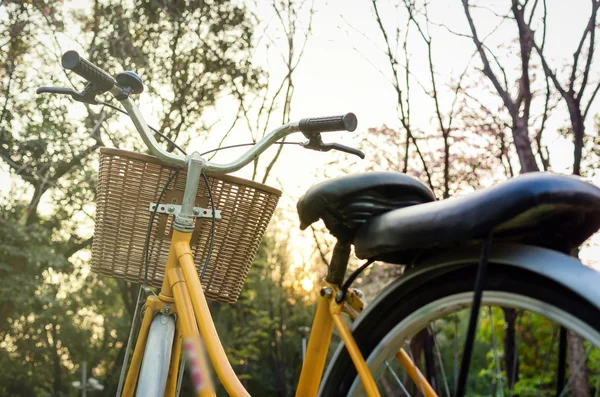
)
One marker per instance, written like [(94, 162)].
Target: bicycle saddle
[(553, 211), (347, 202)]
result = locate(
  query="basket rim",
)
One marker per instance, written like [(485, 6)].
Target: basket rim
[(227, 178)]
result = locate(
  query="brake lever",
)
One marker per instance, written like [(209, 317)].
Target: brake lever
[(87, 96), (318, 145), (344, 148)]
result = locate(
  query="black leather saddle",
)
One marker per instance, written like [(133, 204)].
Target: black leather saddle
[(554, 211), (346, 203), (543, 209)]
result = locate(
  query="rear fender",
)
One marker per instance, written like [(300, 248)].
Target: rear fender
[(563, 269)]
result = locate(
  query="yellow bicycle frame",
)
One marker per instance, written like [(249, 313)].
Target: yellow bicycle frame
[(183, 295)]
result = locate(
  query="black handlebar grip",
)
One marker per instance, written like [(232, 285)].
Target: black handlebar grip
[(73, 61), (347, 122)]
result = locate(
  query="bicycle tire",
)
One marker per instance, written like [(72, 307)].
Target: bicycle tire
[(154, 371), (369, 335)]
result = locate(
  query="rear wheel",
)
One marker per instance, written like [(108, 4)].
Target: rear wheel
[(430, 324)]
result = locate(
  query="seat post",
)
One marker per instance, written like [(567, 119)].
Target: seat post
[(339, 262)]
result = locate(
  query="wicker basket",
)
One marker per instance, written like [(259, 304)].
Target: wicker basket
[(128, 182)]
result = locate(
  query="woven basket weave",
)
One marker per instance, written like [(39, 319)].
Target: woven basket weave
[(128, 182)]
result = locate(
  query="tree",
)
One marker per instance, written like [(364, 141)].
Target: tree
[(573, 96), (520, 112), (272, 102), (519, 106), (511, 121), (188, 53), (262, 328)]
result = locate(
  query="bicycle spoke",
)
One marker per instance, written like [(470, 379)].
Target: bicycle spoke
[(439, 356), (513, 375), (496, 357), (578, 368), (389, 367), (547, 360)]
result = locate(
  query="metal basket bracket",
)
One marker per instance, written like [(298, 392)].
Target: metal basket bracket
[(174, 209)]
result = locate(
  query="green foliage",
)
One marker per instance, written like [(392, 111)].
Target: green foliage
[(537, 346), (262, 329), (57, 314), (51, 312), (188, 52), (26, 253)]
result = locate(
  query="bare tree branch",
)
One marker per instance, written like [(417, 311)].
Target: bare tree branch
[(291, 64), (318, 245), (77, 246), (591, 28), (538, 137), (524, 97), (231, 127), (587, 108), (445, 129), (503, 16), (573, 99), (393, 64), (520, 121), (487, 70)]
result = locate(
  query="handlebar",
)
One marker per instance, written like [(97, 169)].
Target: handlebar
[(92, 73), (175, 159), (101, 82), (313, 125)]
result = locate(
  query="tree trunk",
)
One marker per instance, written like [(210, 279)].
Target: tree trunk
[(446, 166), (282, 321), (577, 366), (523, 146), (528, 164), (129, 294), (57, 384), (113, 376), (430, 371), (385, 385), (422, 343), (511, 361), (578, 134), (32, 215), (280, 389), (416, 348), (576, 355)]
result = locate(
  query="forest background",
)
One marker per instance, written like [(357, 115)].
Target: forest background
[(458, 94)]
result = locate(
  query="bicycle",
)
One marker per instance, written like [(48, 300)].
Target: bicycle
[(505, 246)]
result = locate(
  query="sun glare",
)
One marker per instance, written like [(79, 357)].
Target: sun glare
[(307, 284)]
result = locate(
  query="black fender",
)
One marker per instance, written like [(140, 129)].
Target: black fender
[(557, 267), (563, 269)]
